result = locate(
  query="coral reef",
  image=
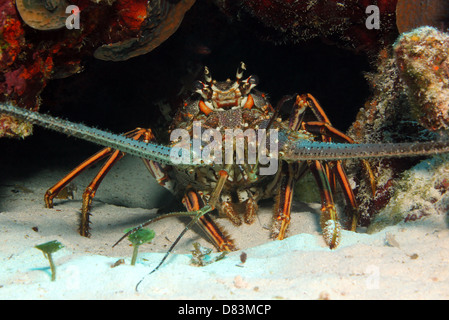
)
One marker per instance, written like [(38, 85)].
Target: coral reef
[(12, 127), (150, 21), (384, 118), (421, 191), (34, 48), (20, 82), (423, 58), (409, 90), (409, 102)]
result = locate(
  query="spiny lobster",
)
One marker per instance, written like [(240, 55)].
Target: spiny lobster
[(206, 186)]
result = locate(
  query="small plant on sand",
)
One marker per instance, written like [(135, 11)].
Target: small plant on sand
[(138, 238), (48, 248)]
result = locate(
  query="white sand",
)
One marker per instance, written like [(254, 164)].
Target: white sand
[(413, 264)]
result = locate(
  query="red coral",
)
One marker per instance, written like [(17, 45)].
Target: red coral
[(14, 82), (11, 40), (131, 13)]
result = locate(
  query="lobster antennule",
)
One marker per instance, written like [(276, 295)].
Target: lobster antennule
[(240, 70), (311, 150), (207, 75)]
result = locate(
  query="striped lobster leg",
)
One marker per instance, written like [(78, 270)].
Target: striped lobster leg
[(334, 169), (326, 174), (330, 225), (113, 155), (193, 201)]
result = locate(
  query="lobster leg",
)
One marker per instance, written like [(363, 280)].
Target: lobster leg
[(228, 210), (251, 207), (89, 193), (329, 133), (283, 201), (290, 172), (312, 103), (193, 202), (324, 174), (246, 197), (339, 171), (308, 101), (328, 220), (324, 127), (337, 167), (53, 191)]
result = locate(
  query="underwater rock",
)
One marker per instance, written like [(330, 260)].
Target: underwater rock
[(43, 15), (421, 192), (384, 118), (423, 58), (411, 14), (377, 121), (150, 34), (410, 90), (420, 73), (338, 21), (409, 102)]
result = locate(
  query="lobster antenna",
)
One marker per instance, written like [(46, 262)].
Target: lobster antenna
[(312, 150), (150, 151), (278, 109), (303, 150), (143, 225), (197, 215)]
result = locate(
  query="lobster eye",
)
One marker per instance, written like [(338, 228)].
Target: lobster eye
[(208, 92), (202, 89), (198, 85)]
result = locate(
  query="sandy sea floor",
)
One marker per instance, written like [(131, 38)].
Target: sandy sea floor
[(406, 261)]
